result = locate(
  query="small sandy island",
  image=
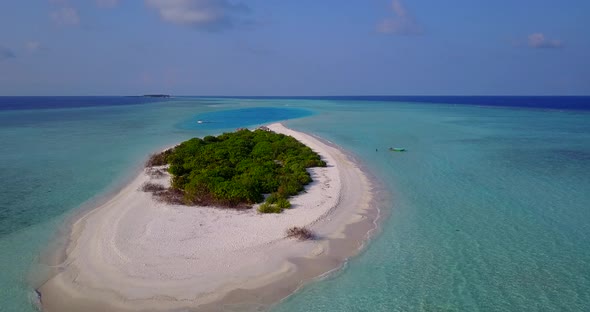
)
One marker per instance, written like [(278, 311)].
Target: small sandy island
[(134, 253)]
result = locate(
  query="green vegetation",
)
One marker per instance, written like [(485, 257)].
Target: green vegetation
[(269, 208), (275, 203), (236, 169)]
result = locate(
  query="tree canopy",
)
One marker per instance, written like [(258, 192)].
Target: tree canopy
[(236, 169)]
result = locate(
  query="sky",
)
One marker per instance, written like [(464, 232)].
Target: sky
[(295, 47)]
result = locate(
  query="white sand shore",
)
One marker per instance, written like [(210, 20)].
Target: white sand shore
[(133, 253)]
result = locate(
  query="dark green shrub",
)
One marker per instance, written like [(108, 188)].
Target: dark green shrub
[(236, 169)]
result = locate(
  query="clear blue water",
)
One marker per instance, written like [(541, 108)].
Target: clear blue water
[(242, 117), (56, 102), (490, 209)]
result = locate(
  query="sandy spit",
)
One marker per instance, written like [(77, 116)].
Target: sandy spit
[(133, 253)]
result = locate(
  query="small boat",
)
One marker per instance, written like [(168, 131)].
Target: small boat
[(397, 149), (199, 121)]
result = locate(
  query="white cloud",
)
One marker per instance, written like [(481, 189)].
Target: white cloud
[(33, 46), (65, 16), (107, 3), (210, 15), (6, 53), (403, 23), (538, 41)]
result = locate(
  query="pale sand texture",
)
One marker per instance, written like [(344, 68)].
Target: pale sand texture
[(133, 253)]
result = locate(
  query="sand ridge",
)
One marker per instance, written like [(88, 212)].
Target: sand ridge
[(134, 253)]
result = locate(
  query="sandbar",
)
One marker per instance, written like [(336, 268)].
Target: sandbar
[(133, 253)]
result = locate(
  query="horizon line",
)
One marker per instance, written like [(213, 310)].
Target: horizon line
[(296, 96)]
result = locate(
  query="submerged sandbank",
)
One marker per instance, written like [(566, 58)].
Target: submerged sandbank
[(134, 253)]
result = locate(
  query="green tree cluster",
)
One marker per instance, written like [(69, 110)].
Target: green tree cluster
[(236, 169)]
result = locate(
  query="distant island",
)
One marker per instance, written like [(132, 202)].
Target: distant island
[(236, 169), (157, 95)]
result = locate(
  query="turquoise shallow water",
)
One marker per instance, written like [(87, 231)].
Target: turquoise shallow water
[(489, 211)]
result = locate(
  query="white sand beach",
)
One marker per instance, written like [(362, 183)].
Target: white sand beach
[(135, 253)]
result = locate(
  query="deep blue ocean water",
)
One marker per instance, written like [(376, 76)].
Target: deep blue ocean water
[(53, 102), (538, 102), (489, 211)]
